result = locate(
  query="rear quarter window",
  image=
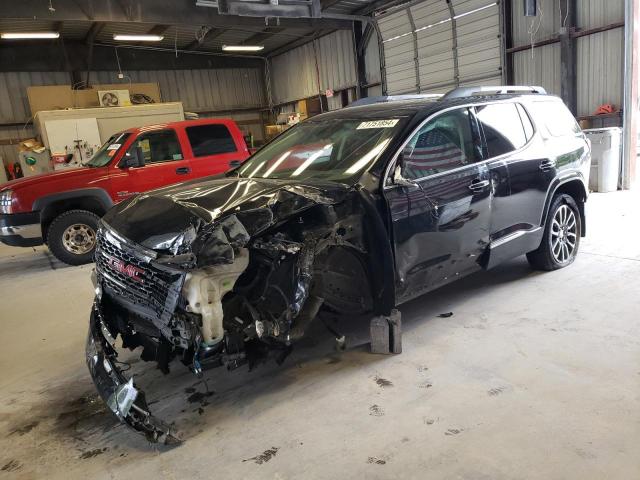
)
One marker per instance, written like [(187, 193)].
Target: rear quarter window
[(555, 117), (210, 140)]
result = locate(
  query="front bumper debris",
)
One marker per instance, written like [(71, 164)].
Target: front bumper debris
[(124, 399)]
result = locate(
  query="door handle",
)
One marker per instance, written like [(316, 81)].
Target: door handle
[(235, 163), (547, 164), (478, 185), (182, 170)]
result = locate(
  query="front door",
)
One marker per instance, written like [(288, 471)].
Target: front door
[(164, 165), (441, 222)]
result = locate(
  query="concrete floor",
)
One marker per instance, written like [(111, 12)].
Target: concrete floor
[(535, 376)]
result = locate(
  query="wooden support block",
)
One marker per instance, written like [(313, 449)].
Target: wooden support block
[(395, 331), (379, 330), (386, 334)]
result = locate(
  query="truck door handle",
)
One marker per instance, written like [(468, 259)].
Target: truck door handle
[(234, 163), (182, 170), (547, 164), (478, 185)]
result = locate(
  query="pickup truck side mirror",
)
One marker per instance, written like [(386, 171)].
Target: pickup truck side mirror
[(133, 158)]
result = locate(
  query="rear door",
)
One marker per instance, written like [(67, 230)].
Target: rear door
[(165, 164), (519, 184), (441, 224), (562, 146), (214, 149)]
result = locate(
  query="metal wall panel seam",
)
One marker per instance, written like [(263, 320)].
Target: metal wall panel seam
[(454, 43), (415, 48)]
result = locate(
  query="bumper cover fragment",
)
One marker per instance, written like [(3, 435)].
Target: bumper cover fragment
[(121, 395)]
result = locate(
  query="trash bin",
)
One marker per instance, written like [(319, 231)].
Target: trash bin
[(605, 158)]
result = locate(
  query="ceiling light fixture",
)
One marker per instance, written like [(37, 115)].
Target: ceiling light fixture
[(29, 35), (242, 48), (137, 38)]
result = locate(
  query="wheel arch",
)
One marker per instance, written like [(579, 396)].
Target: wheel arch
[(575, 188), (94, 200)]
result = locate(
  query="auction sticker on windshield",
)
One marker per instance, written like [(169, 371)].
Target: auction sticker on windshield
[(378, 124)]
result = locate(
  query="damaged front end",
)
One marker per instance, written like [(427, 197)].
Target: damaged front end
[(236, 288)]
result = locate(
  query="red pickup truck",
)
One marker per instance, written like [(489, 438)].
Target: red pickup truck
[(62, 208)]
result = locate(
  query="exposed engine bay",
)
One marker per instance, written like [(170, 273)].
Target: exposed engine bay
[(238, 289)]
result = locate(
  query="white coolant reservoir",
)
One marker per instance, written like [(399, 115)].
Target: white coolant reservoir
[(204, 289)]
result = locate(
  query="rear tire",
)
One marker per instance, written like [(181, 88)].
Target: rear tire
[(561, 238), (72, 236)]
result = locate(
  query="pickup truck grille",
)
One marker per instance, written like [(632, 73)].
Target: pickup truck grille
[(131, 279)]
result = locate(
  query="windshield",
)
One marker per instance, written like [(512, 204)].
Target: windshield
[(108, 150), (326, 150)]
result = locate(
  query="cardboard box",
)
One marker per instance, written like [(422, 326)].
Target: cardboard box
[(274, 130), (302, 107), (60, 97)]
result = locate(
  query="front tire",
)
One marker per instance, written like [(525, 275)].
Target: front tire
[(72, 236), (561, 238)]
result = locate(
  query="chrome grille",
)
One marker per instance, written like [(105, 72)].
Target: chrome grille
[(131, 279)]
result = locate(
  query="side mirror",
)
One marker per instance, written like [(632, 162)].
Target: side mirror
[(133, 158), (398, 179)]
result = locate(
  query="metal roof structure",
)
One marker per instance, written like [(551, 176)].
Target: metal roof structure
[(182, 32)]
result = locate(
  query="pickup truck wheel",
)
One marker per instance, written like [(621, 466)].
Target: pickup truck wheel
[(72, 236), (561, 238)]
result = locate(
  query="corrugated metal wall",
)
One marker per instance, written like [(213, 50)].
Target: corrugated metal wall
[(202, 90), (600, 57), (199, 91), (294, 75), (372, 60), (540, 66), (421, 51)]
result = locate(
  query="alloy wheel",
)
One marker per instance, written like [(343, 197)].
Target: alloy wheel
[(564, 234)]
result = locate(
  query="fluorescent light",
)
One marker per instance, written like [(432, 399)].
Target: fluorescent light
[(242, 48), (137, 38), (29, 35)]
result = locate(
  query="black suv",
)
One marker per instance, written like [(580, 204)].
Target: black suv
[(354, 211)]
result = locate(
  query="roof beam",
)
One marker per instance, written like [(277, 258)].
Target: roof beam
[(324, 4), (377, 5), (210, 35), (50, 57), (94, 31), (155, 12), (158, 29), (260, 37)]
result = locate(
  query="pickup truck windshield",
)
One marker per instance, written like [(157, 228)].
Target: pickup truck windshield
[(325, 150), (103, 156)]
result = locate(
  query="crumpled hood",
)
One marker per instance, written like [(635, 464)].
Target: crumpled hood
[(172, 217)]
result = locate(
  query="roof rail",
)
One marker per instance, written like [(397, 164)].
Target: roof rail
[(461, 92), (393, 98)]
